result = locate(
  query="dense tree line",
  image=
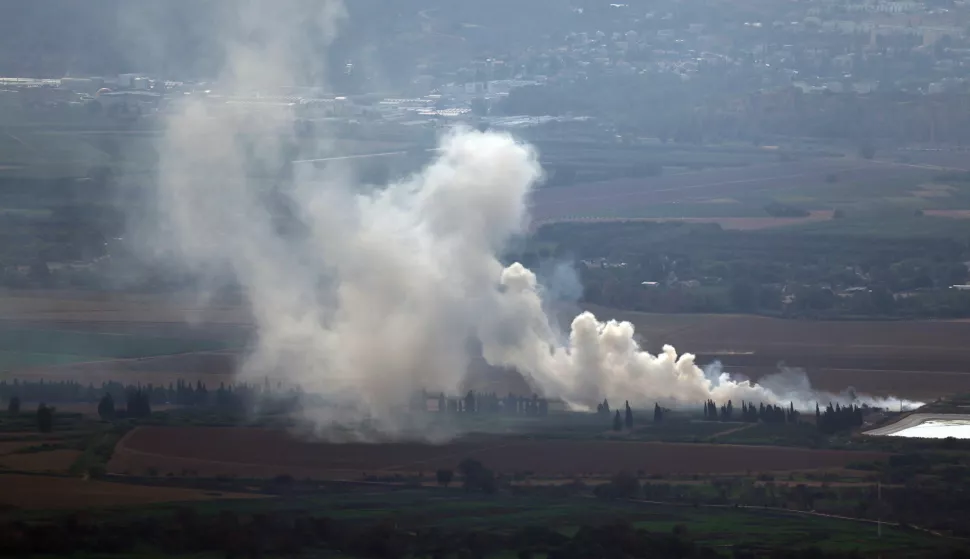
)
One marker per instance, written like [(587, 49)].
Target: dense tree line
[(484, 403), (838, 418), (138, 399), (751, 413)]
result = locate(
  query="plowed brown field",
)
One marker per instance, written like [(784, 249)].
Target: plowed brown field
[(251, 452), (51, 461), (47, 492)]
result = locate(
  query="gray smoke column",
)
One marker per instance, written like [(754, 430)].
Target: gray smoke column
[(380, 292)]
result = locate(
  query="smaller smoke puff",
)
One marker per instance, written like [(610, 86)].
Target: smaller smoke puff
[(603, 360)]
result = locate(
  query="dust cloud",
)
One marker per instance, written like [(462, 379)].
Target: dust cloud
[(376, 294)]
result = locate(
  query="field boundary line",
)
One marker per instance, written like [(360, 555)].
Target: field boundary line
[(733, 430)]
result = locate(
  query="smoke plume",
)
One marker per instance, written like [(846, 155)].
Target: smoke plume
[(379, 292)]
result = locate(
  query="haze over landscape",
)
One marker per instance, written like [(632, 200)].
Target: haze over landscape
[(297, 270)]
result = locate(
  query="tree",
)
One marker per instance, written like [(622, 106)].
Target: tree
[(744, 296), (106, 407), (625, 485), (476, 476), (13, 406), (628, 420), (658, 413), (617, 422), (444, 477), (138, 404), (45, 418)]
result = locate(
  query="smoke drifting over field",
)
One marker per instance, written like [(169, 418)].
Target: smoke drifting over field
[(377, 294)]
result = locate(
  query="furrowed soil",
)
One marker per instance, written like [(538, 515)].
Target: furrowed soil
[(253, 452), (46, 492)]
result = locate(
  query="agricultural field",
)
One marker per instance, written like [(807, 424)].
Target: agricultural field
[(125, 311), (919, 360), (249, 452), (819, 185), (20, 347), (95, 337), (443, 509), (33, 492), (731, 222), (210, 368)]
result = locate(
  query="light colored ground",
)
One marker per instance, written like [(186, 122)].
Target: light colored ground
[(915, 419)]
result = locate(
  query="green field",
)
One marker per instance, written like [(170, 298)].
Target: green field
[(29, 347), (456, 510)]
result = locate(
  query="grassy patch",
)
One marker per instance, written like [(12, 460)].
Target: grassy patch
[(27, 347), (455, 509), (97, 448)]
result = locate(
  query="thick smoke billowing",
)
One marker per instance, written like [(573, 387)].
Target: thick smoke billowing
[(379, 292)]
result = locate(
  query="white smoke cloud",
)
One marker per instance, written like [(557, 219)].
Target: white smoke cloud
[(381, 292)]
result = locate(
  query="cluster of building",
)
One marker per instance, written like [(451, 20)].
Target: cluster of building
[(817, 45)]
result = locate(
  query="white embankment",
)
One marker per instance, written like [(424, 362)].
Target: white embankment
[(928, 426)]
